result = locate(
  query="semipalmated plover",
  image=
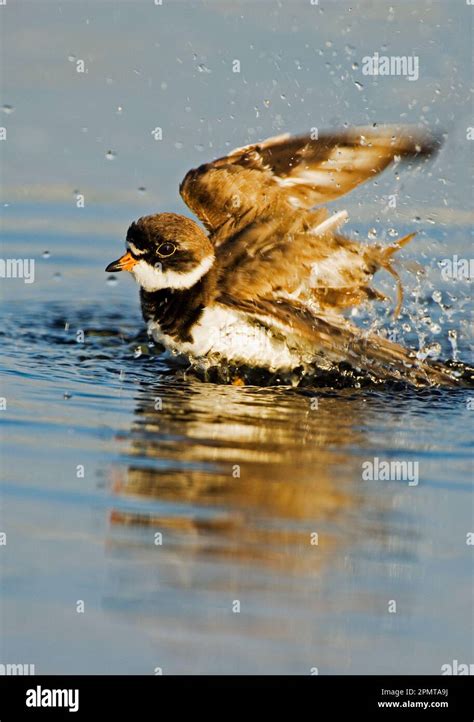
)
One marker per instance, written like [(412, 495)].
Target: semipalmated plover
[(268, 284)]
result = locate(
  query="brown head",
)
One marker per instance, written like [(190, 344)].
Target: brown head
[(165, 250)]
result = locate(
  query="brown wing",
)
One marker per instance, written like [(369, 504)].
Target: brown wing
[(281, 255), (290, 172), (303, 255)]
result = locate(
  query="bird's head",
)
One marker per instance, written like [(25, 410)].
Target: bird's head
[(165, 250)]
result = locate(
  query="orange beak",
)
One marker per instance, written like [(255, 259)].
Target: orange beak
[(126, 263)]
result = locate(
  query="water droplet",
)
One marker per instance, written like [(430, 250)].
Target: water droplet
[(453, 340), (266, 103), (67, 395), (406, 327), (71, 58), (435, 328), (111, 281), (416, 219), (392, 232), (282, 96), (437, 296), (358, 85), (355, 66), (178, 145), (8, 109), (433, 350), (142, 189), (119, 110), (137, 353), (110, 155), (57, 276), (203, 68), (199, 147), (372, 234), (46, 254)]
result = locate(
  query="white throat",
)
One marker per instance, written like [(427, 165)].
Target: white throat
[(152, 279)]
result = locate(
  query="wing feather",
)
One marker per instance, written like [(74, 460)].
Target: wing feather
[(257, 204), (335, 340), (298, 171)]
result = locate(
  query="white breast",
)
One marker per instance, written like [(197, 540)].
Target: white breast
[(226, 335)]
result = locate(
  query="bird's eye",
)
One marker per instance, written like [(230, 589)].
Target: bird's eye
[(166, 249)]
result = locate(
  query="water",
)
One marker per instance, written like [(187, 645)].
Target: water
[(104, 449)]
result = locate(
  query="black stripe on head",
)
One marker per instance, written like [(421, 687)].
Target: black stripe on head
[(176, 232), (182, 261)]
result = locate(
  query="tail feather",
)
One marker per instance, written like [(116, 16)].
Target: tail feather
[(334, 339), (384, 359), (389, 360), (385, 261)]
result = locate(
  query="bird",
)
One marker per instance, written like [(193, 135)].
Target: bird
[(269, 281)]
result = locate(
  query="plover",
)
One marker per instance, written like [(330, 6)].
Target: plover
[(269, 283)]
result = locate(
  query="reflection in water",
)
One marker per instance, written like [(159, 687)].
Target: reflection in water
[(237, 480), (244, 473)]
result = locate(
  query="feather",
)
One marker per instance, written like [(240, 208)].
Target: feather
[(257, 205), (231, 192), (336, 340)]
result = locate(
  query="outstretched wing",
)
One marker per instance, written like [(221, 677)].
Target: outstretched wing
[(290, 172)]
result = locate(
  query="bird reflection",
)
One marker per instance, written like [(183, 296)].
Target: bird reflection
[(259, 475)]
